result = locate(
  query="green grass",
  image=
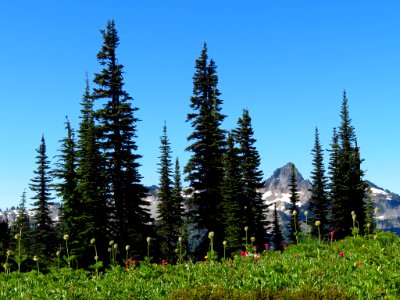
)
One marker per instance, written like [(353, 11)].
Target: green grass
[(369, 269)]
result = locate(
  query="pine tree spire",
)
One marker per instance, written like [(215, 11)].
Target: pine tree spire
[(117, 131), (204, 170), (319, 204), (41, 185), (254, 210), (294, 226)]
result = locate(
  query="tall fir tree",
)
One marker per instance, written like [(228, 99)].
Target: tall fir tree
[(232, 191), (277, 237), (168, 206), (319, 202), (177, 195), (294, 224), (43, 232), (204, 170), (181, 206), (254, 210), (65, 172), (347, 187), (334, 183), (88, 217), (131, 214)]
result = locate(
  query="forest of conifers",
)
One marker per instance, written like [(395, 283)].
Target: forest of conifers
[(98, 182)]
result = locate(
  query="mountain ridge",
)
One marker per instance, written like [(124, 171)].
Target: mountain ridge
[(275, 189)]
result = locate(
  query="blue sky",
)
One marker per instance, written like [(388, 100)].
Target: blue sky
[(288, 62)]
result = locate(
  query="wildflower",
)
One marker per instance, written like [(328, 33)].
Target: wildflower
[(35, 258), (353, 213), (115, 246), (211, 235), (295, 213), (244, 253), (66, 237), (127, 247), (332, 233), (206, 257), (341, 254), (246, 228), (110, 243), (353, 217), (252, 239), (266, 246), (92, 241), (180, 239), (9, 252), (368, 225), (306, 213), (58, 253), (164, 263), (17, 236), (130, 262), (96, 258), (148, 239), (224, 243), (317, 223), (255, 247)]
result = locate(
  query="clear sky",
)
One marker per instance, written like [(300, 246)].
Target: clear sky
[(288, 62)]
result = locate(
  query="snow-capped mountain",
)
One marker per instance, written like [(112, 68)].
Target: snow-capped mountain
[(389, 208), (10, 215), (276, 190)]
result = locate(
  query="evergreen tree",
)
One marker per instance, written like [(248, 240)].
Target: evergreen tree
[(65, 172), (232, 191), (359, 188), (88, 217), (180, 208), (41, 185), (205, 167), (254, 210), (294, 226), (131, 215), (347, 187), (177, 195), (369, 212), (337, 210), (318, 205), (22, 225), (277, 237), (169, 206)]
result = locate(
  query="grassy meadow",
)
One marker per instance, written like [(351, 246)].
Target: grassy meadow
[(353, 268)]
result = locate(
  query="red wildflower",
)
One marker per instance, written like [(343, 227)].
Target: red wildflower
[(130, 262), (244, 253), (332, 233), (266, 246), (341, 253), (163, 263)]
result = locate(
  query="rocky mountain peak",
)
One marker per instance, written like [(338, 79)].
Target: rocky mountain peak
[(280, 180)]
